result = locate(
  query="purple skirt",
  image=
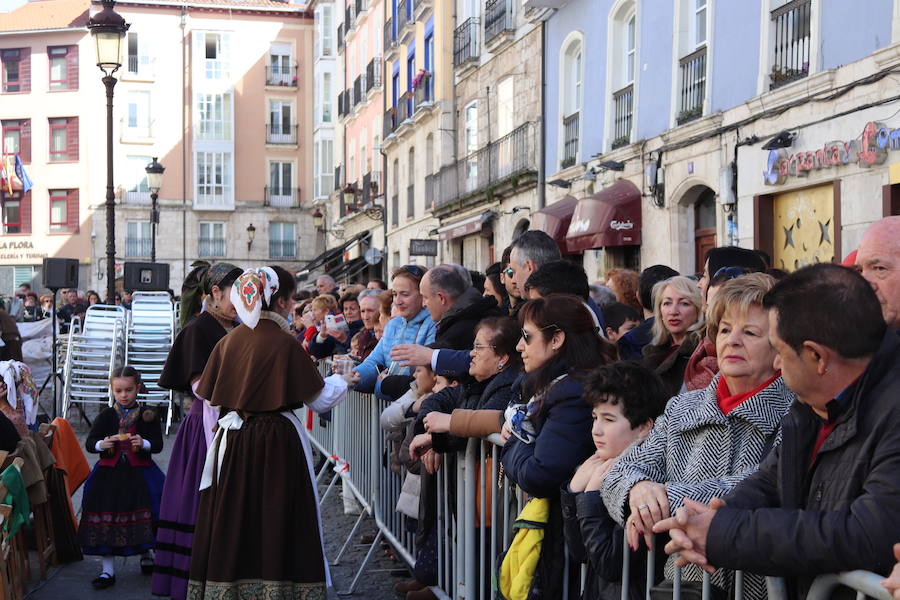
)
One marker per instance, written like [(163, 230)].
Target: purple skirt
[(178, 512)]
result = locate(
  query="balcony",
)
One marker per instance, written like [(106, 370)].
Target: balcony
[(136, 197), (390, 38), (404, 108), (140, 67), (465, 43), (373, 74), (420, 9), (349, 20), (359, 90), (282, 249), (135, 131), (499, 24), (571, 125), (623, 112), (692, 79), (371, 187), (344, 103), (281, 134), (282, 197), (211, 247), (340, 38), (281, 76), (137, 247), (337, 178), (361, 7), (395, 210), (405, 23), (503, 167), (792, 34), (423, 91), (390, 122)]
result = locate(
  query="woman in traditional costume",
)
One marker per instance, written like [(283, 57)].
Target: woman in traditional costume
[(184, 365), (258, 532)]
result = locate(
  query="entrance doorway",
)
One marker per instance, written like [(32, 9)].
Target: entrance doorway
[(704, 226)]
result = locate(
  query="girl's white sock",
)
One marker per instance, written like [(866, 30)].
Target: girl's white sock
[(109, 565)]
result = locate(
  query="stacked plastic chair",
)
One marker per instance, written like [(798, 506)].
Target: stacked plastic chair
[(150, 332), (94, 350)]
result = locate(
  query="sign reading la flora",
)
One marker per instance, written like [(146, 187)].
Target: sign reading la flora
[(870, 148)]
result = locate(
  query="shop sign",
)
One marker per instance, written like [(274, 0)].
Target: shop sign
[(621, 225), (20, 250), (423, 247), (869, 149)]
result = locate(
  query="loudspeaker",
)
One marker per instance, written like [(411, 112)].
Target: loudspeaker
[(146, 277), (60, 273)]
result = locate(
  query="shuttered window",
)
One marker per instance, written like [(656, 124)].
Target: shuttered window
[(63, 67), (15, 64), (64, 211), (17, 138), (64, 139), (16, 212)]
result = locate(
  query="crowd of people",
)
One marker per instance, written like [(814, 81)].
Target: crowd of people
[(741, 417)]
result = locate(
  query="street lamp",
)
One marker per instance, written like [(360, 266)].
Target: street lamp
[(154, 182), (251, 233), (108, 29), (349, 193), (318, 219)]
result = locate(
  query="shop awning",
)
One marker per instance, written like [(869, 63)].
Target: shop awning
[(611, 217), (554, 221), (464, 227), (330, 255)]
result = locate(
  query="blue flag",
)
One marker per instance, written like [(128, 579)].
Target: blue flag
[(23, 176)]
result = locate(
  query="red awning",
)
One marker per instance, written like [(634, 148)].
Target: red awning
[(611, 217), (554, 221)]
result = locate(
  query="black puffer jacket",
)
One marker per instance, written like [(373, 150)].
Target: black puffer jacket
[(493, 394), (670, 365), (792, 520), (456, 329)]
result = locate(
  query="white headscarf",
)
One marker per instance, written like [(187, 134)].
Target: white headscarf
[(252, 288)]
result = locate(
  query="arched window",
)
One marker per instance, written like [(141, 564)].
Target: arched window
[(571, 97), (623, 70)]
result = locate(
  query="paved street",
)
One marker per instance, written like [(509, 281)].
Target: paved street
[(73, 581)]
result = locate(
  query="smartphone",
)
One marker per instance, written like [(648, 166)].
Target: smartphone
[(330, 322)]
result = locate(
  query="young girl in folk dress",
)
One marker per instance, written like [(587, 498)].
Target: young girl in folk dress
[(121, 497)]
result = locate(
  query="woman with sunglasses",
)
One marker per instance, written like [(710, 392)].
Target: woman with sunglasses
[(412, 325)]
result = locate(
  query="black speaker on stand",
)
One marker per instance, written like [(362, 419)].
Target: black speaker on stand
[(146, 277), (58, 273)]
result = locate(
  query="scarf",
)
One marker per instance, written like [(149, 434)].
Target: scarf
[(277, 319), (218, 314), (728, 402), (520, 416), (252, 289), (200, 282), (128, 416)]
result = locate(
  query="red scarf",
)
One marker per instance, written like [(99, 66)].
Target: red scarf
[(728, 402)]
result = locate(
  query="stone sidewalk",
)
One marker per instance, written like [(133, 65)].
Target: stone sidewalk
[(73, 581)]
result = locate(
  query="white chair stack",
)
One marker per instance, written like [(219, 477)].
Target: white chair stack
[(151, 331), (94, 350)]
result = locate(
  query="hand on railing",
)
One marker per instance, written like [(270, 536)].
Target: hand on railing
[(432, 461), (892, 583), (419, 446), (688, 530), (437, 422), (649, 504)]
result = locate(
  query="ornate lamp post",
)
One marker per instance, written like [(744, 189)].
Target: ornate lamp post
[(154, 182), (251, 234), (108, 30)]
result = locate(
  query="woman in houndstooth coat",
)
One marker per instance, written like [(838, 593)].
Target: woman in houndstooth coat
[(708, 440)]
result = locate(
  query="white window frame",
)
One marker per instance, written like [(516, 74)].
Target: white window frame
[(571, 89), (138, 233), (136, 189), (281, 240), (144, 61), (214, 242), (282, 133), (695, 14), (214, 115), (218, 68), (620, 14), (328, 29), (283, 194), (282, 53), (138, 110), (205, 196), (683, 44), (766, 47), (326, 167)]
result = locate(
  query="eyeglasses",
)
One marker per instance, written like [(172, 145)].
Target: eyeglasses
[(527, 336), (730, 272), (477, 347), (414, 270), (508, 272)]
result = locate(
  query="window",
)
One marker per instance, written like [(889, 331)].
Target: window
[(326, 97), (280, 65), (571, 94), (326, 165), (692, 62), (212, 239), (282, 240), (280, 186), (138, 54), (623, 70), (138, 120), (410, 187), (64, 139), (629, 49), (136, 189), (214, 51), (137, 238), (327, 31), (214, 179), (214, 118), (791, 32), (17, 138), (471, 141), (64, 211), (63, 67), (16, 67), (12, 214), (699, 23), (281, 127)]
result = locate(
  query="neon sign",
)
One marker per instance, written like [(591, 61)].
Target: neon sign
[(869, 149)]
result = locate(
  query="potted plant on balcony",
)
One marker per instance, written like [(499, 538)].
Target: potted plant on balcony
[(421, 78)]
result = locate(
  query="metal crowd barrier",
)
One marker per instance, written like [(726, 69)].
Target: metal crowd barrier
[(475, 511)]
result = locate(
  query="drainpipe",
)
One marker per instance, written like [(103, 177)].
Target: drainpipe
[(184, 155), (542, 188)]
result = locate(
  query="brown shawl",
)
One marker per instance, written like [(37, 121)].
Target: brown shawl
[(259, 370)]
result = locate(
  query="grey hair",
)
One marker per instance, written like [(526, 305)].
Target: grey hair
[(537, 247), (328, 278), (602, 295), (447, 278), (368, 294), (463, 272)]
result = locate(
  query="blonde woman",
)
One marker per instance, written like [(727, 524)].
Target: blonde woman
[(677, 329)]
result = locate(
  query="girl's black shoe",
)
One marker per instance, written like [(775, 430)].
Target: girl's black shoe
[(147, 565), (105, 580)]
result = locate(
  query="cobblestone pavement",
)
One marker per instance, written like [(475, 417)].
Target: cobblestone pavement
[(73, 581)]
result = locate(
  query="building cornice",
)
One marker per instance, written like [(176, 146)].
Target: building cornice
[(299, 11), (44, 31)]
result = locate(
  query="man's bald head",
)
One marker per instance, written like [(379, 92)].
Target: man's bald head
[(878, 259)]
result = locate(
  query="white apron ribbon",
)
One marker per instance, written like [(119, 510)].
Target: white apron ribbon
[(216, 452)]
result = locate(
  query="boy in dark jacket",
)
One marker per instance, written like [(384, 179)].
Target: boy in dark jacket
[(626, 398)]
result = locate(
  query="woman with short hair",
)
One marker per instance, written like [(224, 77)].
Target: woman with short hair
[(708, 440)]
